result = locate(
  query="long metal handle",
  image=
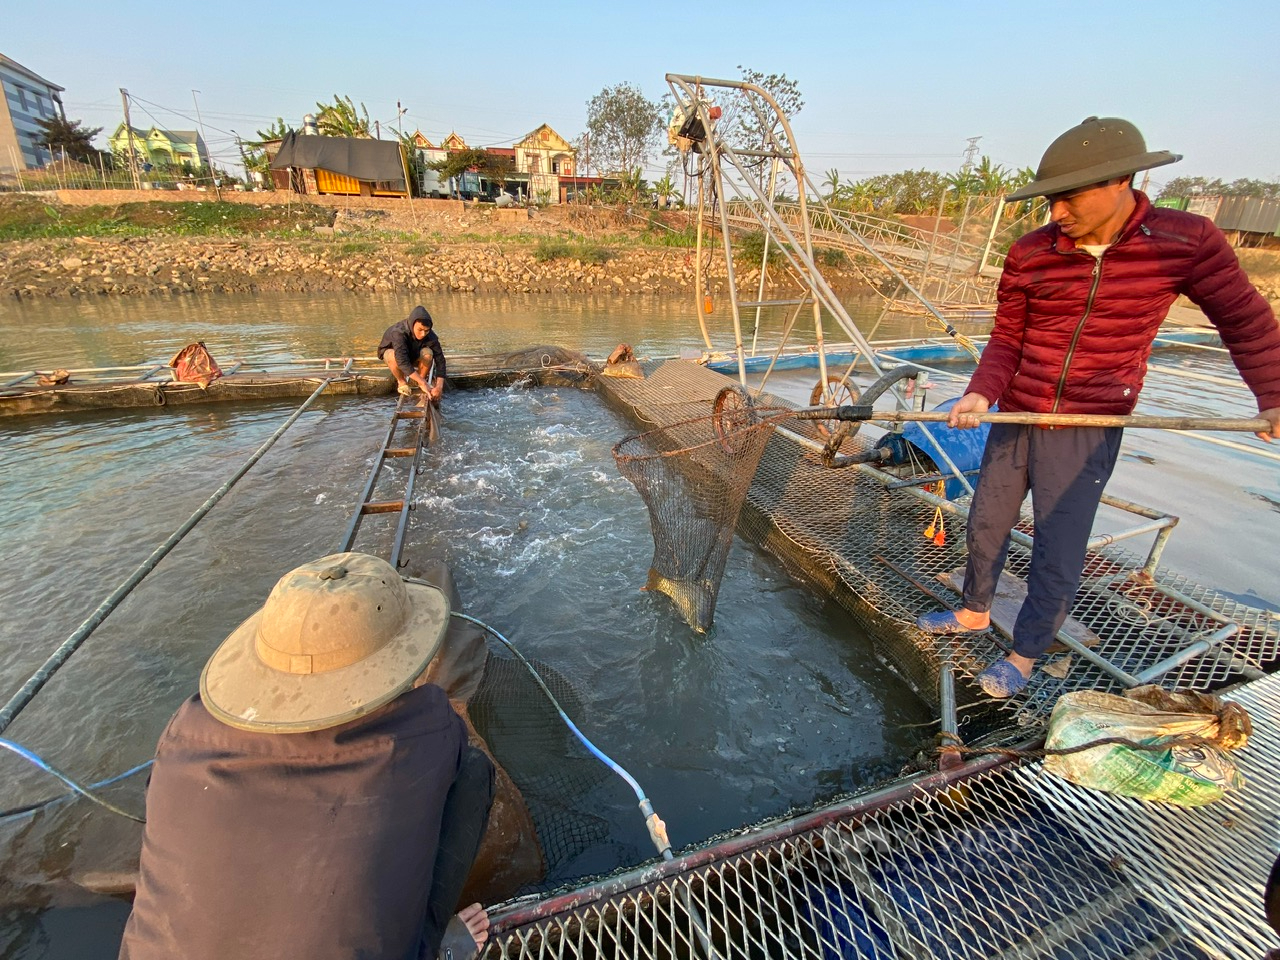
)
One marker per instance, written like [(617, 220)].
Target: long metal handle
[(856, 413)]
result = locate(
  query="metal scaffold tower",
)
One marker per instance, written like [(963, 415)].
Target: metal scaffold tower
[(739, 147)]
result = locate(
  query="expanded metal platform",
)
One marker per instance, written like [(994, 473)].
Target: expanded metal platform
[(861, 543), (991, 860)]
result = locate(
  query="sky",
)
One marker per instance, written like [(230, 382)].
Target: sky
[(887, 86)]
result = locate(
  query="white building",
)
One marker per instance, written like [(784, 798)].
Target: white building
[(28, 97)]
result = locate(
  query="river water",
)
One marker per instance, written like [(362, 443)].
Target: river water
[(780, 706)]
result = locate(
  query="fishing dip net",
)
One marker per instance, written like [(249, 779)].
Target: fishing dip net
[(693, 476)]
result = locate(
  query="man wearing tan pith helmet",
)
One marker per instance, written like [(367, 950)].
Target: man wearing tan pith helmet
[(1079, 304), (311, 801)]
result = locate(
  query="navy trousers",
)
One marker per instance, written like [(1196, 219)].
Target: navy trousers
[(466, 816), (1066, 471)]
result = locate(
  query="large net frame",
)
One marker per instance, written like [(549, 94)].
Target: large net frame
[(693, 476)]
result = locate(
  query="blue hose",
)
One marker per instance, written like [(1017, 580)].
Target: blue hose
[(657, 830), (76, 788)]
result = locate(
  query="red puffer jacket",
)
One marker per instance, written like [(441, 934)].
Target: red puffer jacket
[(1072, 333)]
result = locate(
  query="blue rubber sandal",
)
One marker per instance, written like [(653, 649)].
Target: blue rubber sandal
[(1002, 680), (944, 622)]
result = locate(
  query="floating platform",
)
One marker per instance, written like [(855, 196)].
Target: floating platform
[(153, 385), (994, 859), (934, 350)]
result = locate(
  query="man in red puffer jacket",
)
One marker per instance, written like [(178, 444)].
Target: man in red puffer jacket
[(1079, 304)]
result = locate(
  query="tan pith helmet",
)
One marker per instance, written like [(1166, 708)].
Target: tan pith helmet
[(336, 639), (1099, 149)]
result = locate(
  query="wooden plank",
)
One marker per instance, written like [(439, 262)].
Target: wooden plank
[(1011, 591), (383, 506)]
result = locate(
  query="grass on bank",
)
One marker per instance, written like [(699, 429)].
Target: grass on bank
[(31, 218), (559, 248)]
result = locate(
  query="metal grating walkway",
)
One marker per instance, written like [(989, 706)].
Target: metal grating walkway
[(993, 860)]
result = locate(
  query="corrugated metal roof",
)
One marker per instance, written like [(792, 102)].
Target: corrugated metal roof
[(1253, 214), (1250, 214)]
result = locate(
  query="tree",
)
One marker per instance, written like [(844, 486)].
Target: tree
[(453, 165), (414, 160), (254, 154), (497, 169), (910, 191), (664, 190), (750, 123), (1203, 186), (753, 132), (341, 119), (623, 126), (985, 179), (832, 183), (68, 138)]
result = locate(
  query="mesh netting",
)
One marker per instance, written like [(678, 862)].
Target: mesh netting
[(552, 770), (693, 476), (1004, 862)]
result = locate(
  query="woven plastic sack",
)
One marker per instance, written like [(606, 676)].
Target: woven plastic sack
[(1190, 775), (194, 364)]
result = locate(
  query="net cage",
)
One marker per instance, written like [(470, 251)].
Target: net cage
[(994, 859)]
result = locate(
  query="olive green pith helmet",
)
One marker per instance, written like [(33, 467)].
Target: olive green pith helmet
[(1097, 150)]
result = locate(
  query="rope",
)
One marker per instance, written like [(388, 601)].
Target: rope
[(1158, 745)]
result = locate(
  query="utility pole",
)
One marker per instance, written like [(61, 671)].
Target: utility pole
[(200, 123), (970, 154), (377, 128), (244, 162), (128, 126)]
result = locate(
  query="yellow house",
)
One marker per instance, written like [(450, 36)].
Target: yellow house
[(167, 149), (546, 157)]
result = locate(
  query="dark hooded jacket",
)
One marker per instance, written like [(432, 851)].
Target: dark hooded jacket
[(1073, 333), (399, 337)]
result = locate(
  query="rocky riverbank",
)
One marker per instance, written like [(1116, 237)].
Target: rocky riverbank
[(165, 266), (444, 246)]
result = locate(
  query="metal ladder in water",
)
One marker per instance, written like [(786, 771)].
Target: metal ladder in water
[(424, 433)]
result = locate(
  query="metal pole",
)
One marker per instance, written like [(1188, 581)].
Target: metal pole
[(69, 646), (212, 176), (933, 241), (128, 126), (764, 258), (718, 180), (699, 295), (991, 235), (408, 188), (959, 245)]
